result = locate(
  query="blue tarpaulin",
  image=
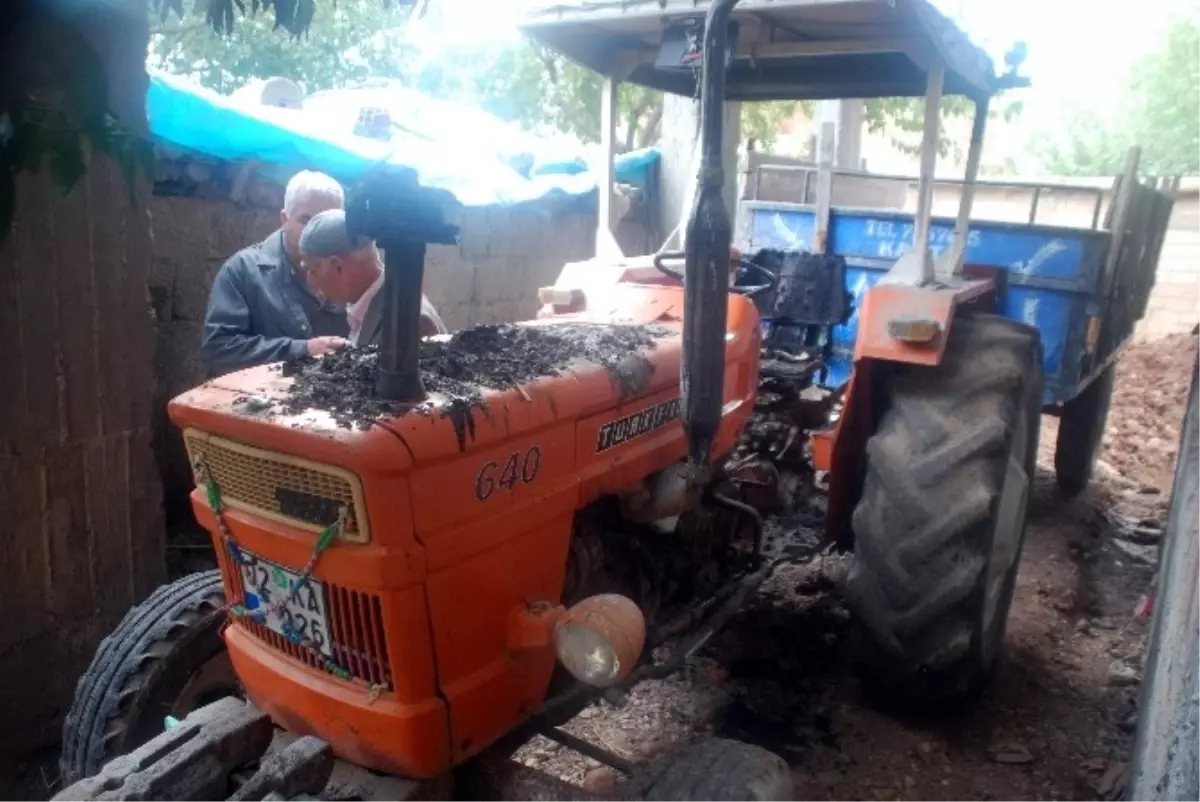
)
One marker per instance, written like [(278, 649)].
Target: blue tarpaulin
[(467, 156)]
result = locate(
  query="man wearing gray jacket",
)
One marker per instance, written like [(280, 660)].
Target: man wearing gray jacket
[(261, 310), (348, 270)]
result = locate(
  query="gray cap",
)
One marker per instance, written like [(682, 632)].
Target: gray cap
[(326, 235)]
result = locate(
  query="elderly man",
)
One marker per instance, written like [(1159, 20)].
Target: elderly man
[(347, 270), (261, 310)]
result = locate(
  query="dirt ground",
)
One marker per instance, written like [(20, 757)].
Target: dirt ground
[(1056, 724), (1058, 720)]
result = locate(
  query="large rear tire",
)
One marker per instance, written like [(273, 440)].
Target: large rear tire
[(1081, 433), (166, 657), (940, 525), (719, 769)]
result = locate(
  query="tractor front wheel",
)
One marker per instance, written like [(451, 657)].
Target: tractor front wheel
[(166, 658), (940, 525)]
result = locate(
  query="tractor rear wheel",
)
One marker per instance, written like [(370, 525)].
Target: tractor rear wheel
[(1081, 432), (940, 525), (166, 657), (717, 769)]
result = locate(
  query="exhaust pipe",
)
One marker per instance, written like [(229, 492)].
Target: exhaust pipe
[(706, 258), (392, 208)]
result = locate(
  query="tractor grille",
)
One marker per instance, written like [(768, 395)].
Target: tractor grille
[(357, 637), (281, 487)]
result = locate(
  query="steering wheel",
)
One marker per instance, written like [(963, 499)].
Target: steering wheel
[(770, 278)]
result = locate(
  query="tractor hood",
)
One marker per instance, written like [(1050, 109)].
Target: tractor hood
[(597, 363)]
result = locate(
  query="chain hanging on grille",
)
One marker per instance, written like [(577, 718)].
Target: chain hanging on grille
[(325, 539)]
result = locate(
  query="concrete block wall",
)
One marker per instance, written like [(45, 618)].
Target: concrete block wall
[(1175, 300), (192, 239), (504, 256)]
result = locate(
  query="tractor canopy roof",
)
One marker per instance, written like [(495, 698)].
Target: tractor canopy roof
[(783, 49)]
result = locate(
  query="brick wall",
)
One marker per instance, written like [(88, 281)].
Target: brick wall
[(81, 498), (492, 276)]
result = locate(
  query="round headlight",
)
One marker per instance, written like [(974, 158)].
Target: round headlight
[(600, 639)]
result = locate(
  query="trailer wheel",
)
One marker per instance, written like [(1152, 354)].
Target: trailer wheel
[(940, 525), (166, 657), (718, 769), (1081, 431)]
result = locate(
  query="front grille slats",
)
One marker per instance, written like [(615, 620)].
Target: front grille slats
[(357, 638), (357, 632), (281, 487), (346, 655), (377, 645)]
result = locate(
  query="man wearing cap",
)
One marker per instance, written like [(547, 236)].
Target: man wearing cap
[(348, 270), (261, 310)]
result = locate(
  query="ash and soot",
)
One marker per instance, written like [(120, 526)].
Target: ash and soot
[(459, 368)]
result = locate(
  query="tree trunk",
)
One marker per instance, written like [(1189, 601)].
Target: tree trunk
[(632, 125), (650, 133)]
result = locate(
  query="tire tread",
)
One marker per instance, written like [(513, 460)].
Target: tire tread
[(126, 665), (923, 526)]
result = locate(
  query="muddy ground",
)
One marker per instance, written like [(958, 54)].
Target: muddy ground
[(1058, 721)]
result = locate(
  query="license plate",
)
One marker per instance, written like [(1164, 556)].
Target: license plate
[(303, 613)]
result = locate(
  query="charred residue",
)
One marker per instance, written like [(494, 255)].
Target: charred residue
[(459, 368)]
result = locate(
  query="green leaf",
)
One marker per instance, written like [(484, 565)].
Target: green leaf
[(305, 9), (285, 14)]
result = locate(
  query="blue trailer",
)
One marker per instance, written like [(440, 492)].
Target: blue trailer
[(1082, 288)]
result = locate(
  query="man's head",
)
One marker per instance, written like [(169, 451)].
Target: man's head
[(307, 195), (337, 265)]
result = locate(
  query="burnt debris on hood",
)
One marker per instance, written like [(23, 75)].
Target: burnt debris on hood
[(460, 368)]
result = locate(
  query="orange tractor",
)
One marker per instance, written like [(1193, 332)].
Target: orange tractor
[(413, 579)]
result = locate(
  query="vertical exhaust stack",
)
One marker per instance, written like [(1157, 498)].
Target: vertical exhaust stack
[(392, 208), (706, 258)]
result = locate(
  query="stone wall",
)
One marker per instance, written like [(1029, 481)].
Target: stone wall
[(81, 499), (492, 276)]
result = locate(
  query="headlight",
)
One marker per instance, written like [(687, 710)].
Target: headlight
[(600, 639)]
